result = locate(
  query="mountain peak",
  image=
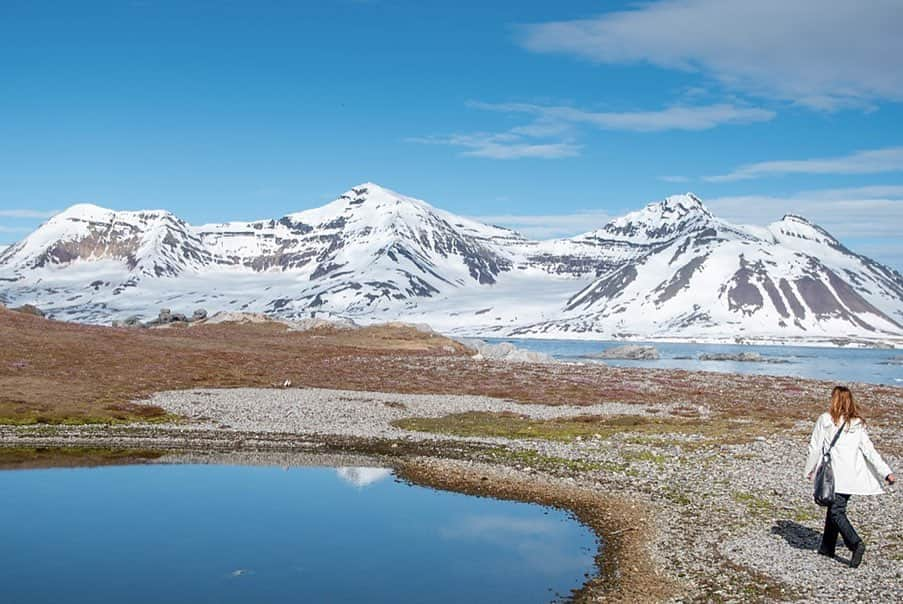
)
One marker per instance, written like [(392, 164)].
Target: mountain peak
[(366, 202), (679, 205), (372, 191), (799, 228), (373, 187), (796, 218), (89, 212), (84, 211), (659, 221)]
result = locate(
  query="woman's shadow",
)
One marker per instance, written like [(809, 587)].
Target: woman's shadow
[(800, 537)]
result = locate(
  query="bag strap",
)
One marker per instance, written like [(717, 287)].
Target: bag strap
[(836, 436)]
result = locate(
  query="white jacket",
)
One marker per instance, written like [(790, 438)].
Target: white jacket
[(858, 468)]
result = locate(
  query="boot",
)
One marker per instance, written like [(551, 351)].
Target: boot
[(856, 560)]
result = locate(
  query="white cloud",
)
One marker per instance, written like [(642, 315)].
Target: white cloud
[(7, 229), (498, 528), (702, 117), (363, 476), (674, 179), (822, 55), (872, 161), (25, 213), (502, 146), (549, 226)]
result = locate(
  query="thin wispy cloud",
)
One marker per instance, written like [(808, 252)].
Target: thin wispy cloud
[(701, 117), (552, 132), (821, 55), (498, 527), (866, 219), (26, 213), (8, 229), (502, 146), (872, 161), (875, 211), (858, 212)]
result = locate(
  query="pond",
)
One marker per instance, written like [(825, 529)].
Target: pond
[(214, 533), (842, 365)]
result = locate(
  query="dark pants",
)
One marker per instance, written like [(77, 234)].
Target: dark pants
[(836, 521)]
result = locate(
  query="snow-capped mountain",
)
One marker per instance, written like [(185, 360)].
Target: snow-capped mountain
[(671, 270), (708, 277)]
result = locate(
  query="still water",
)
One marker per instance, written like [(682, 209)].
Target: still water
[(842, 365), (206, 533)]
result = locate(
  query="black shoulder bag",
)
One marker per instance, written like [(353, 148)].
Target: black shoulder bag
[(824, 477)]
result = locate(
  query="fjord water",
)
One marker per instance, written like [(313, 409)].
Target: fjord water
[(842, 365), (206, 533)]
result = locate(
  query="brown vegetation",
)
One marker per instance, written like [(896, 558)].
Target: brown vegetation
[(30, 458), (54, 372)]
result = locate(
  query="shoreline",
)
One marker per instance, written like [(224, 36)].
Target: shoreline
[(722, 521), (622, 571), (889, 343)]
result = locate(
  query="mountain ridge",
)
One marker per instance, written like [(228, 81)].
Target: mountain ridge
[(669, 270)]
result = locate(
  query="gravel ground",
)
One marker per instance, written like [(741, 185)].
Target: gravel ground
[(351, 413), (733, 523)]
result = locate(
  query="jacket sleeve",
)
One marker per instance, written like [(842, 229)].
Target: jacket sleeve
[(868, 450), (815, 443)]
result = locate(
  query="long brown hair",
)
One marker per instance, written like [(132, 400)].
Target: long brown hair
[(843, 406)]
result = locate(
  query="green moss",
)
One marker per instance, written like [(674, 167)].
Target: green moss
[(676, 495), (537, 460), (645, 456), (754, 504), (804, 515), (86, 420)]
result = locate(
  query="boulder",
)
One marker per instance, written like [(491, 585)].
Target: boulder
[(742, 357), (231, 316), (30, 309), (165, 316), (315, 324), (504, 351), (632, 352), (199, 315), (133, 321)]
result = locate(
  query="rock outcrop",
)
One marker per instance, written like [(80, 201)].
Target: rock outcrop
[(741, 357), (505, 351), (632, 352)]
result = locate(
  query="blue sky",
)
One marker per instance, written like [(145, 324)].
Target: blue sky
[(549, 117)]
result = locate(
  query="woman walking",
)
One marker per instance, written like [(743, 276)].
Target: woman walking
[(858, 469)]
